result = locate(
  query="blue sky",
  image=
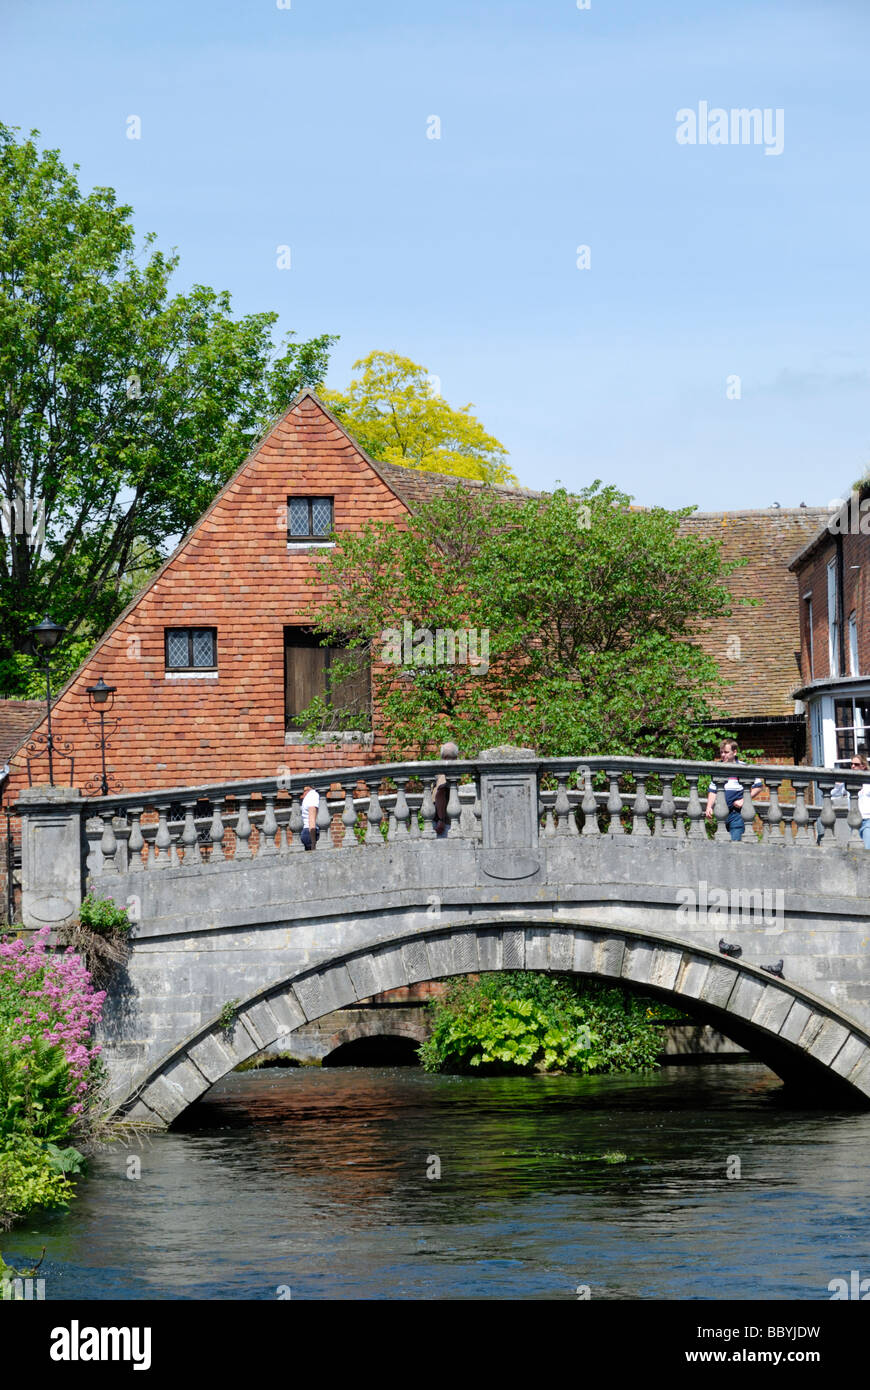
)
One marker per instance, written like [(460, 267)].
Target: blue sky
[(307, 127)]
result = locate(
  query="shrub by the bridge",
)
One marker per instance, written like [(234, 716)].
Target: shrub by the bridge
[(521, 1021), (49, 1068)]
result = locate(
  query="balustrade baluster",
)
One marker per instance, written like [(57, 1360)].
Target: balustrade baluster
[(720, 809), (375, 815), (135, 843), (477, 811), (454, 808), (268, 826), (216, 831), (854, 818), (614, 806), (549, 817), (800, 819), (349, 817), (694, 812), (163, 842), (323, 824), (243, 829), (108, 843), (668, 808), (402, 812), (828, 816), (294, 826), (189, 836), (773, 818), (589, 807), (428, 809), (562, 808), (748, 809), (414, 822), (639, 825)]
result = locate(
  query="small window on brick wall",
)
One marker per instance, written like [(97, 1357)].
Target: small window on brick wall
[(191, 648), (309, 518)]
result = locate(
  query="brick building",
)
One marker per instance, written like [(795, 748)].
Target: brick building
[(214, 658), (832, 587)]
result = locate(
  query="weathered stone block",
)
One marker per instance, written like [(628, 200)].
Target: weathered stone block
[(264, 1020), (489, 949), (584, 953), (416, 960), (828, 1041), (609, 954), (167, 1100), (329, 989), (772, 1009), (718, 985), (213, 1060), (666, 967), (187, 1078), (746, 996), (537, 948), (795, 1021), (692, 976), (514, 949), (637, 962), (849, 1055), (561, 954)]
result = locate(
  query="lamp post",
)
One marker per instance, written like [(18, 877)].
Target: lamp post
[(44, 638), (101, 698)]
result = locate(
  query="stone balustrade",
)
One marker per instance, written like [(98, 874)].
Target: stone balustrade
[(362, 808)]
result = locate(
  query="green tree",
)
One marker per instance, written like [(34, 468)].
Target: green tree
[(394, 413), (124, 407), (584, 614)]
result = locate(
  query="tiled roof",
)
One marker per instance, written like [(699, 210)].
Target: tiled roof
[(416, 486), (763, 662), (17, 718)]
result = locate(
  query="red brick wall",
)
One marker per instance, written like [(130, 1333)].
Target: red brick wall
[(812, 579), (234, 573)]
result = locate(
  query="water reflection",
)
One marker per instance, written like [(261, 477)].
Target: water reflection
[(317, 1179)]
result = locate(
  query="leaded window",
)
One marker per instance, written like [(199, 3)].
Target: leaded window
[(191, 648), (309, 518)]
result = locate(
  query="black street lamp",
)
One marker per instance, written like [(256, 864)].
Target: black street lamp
[(101, 698), (44, 638)]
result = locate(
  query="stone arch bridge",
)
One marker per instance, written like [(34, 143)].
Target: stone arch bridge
[(604, 868)]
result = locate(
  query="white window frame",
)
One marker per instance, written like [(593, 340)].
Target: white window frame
[(808, 600), (833, 624), (853, 644)]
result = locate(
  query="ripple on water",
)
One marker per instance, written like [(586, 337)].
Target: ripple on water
[(317, 1180)]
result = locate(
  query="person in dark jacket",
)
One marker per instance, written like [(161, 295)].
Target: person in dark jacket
[(449, 753)]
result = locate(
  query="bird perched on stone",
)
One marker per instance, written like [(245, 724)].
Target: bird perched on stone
[(774, 969), (729, 950)]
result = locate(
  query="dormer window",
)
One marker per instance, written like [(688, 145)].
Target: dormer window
[(310, 519)]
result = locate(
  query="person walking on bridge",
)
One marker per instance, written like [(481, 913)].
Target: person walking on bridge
[(310, 807), (728, 751), (858, 764), (449, 753)]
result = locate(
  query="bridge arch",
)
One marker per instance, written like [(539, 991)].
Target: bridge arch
[(802, 1038)]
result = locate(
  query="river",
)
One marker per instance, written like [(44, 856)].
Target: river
[(322, 1183)]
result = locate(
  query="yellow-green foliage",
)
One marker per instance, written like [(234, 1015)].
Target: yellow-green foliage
[(397, 416)]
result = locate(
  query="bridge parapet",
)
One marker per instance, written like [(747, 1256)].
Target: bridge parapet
[(505, 800)]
